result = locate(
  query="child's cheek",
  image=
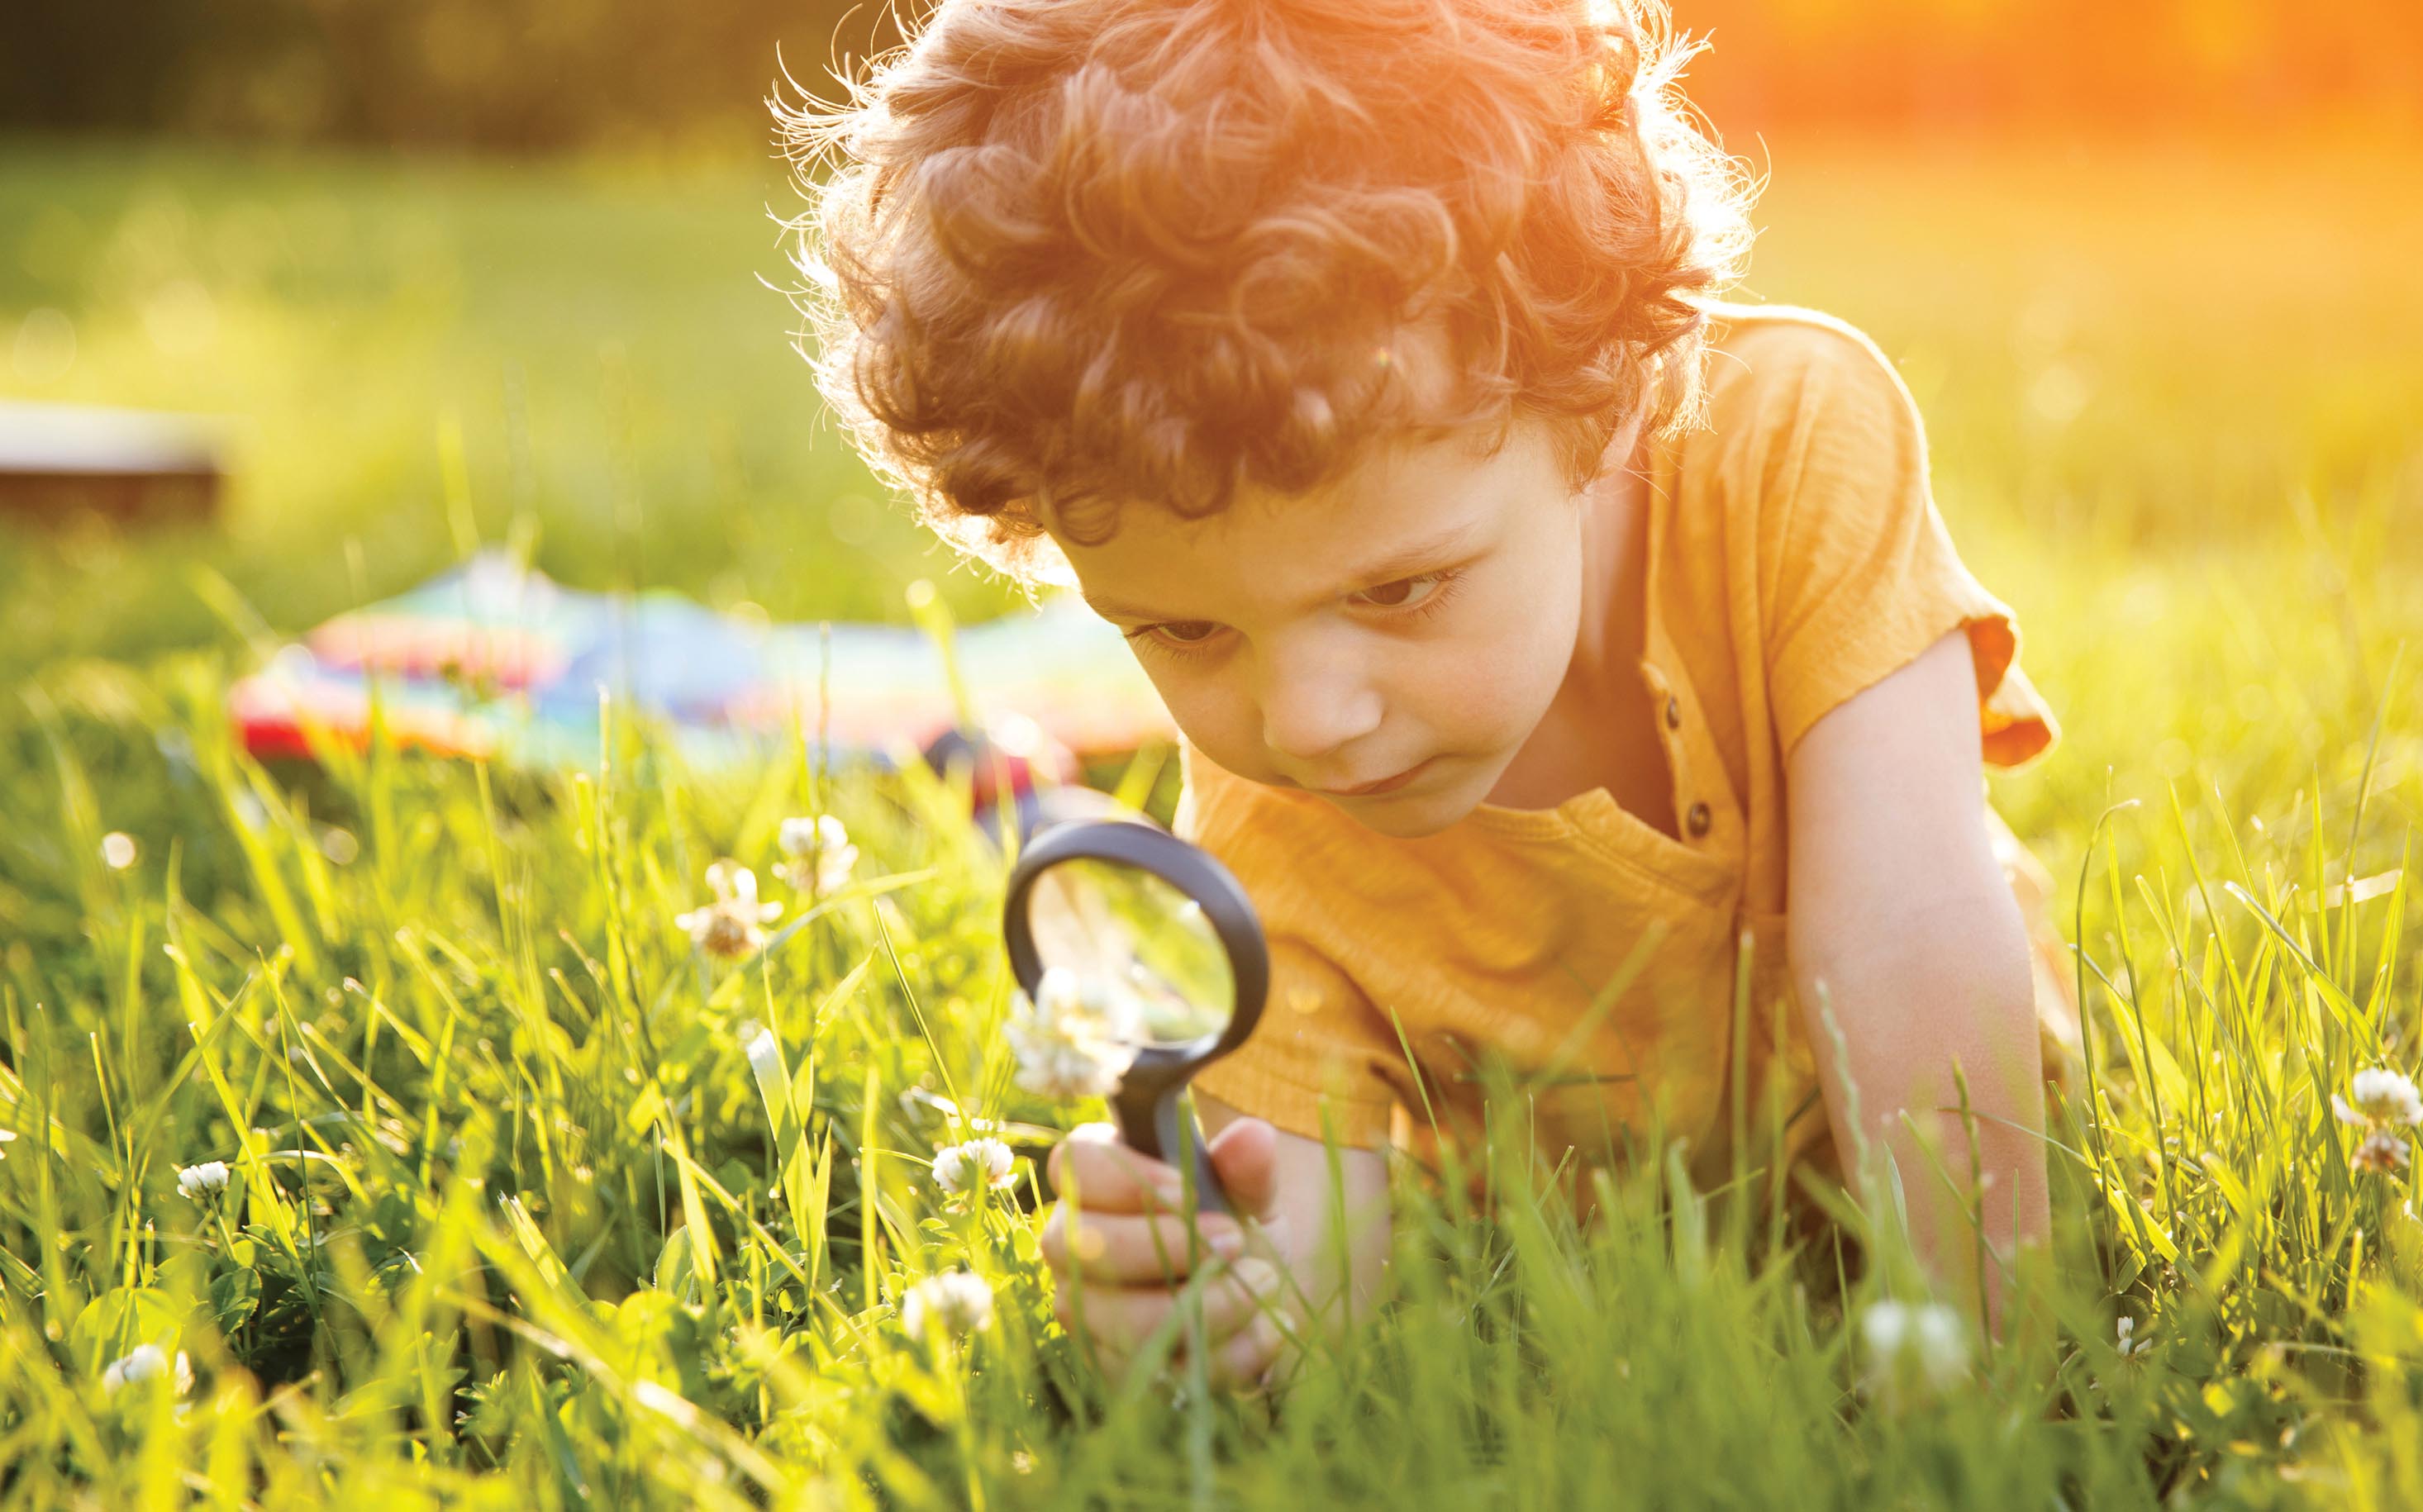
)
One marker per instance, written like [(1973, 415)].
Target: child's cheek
[(1492, 687), (1479, 698), (1221, 725)]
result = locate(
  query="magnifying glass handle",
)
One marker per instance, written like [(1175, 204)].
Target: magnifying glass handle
[(1159, 1126)]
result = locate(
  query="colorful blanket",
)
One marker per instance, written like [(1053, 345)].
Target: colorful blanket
[(495, 660)]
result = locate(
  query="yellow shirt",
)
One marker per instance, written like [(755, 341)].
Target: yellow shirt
[(1795, 558)]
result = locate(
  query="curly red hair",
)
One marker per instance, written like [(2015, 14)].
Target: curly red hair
[(1073, 255)]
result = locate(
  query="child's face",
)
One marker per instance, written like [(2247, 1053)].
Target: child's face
[(1417, 617)]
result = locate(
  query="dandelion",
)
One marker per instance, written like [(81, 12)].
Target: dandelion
[(1075, 1039), (117, 850), (203, 1182), (149, 1362), (733, 925), (980, 1165), (820, 854), (951, 1304), (1921, 1349), (2383, 1098)]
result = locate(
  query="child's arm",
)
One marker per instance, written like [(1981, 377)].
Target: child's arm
[(1118, 1251), (1900, 909)]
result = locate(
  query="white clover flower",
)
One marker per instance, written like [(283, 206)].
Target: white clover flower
[(1065, 1070), (1076, 1038), (2381, 1153), (954, 1303), (117, 850), (2383, 1098), (203, 1181), (980, 1165), (1089, 1004), (1942, 1344), (732, 925), (149, 1362), (820, 854), (1884, 1327), (1921, 1349), (2125, 1332)]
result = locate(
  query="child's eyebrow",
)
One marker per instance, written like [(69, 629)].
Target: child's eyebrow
[(1432, 553)]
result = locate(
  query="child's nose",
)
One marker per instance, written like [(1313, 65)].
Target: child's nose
[(1308, 716)]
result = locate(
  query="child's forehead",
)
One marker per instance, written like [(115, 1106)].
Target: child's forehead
[(1396, 488), (1415, 505), (1219, 567), (1425, 424), (1433, 475)]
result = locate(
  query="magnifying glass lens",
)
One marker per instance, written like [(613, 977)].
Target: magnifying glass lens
[(1143, 963), (1138, 942)]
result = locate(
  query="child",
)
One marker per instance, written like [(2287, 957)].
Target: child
[(1552, 642)]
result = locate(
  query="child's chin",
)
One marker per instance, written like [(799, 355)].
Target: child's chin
[(1406, 818)]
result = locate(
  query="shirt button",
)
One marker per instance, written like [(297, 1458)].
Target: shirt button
[(1698, 820), (1673, 711)]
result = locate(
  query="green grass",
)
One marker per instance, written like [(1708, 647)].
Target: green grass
[(482, 1102)]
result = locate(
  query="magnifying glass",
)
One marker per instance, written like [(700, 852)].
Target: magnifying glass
[(1161, 935)]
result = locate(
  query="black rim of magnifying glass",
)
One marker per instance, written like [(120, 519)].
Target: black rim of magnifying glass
[(1194, 873)]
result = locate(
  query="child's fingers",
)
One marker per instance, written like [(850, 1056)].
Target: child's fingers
[(1123, 1250), (1244, 1360), (1246, 1156), (1092, 1168), (1120, 1319)]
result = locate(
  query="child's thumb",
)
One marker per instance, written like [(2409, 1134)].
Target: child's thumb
[(1245, 1153)]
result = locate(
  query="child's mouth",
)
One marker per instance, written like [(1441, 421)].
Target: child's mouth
[(1385, 784)]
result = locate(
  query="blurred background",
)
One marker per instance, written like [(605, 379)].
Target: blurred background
[(413, 278), (523, 75), (446, 271)]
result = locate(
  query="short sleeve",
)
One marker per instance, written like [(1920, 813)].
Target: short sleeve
[(1316, 1063), (1856, 570)]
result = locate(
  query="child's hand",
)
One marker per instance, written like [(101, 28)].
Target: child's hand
[(1121, 1261)]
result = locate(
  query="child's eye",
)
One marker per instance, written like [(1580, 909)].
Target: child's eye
[(1422, 590), (1176, 635)]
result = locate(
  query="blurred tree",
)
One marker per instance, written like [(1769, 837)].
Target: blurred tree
[(510, 74), (535, 74), (2018, 63)]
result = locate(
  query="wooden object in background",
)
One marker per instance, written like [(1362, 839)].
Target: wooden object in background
[(59, 460)]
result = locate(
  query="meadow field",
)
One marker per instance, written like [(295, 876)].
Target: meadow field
[(388, 1096)]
